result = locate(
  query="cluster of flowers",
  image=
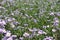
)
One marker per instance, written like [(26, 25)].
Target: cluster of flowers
[(9, 36), (12, 21)]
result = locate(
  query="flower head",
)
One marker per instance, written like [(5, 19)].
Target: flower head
[(48, 38), (8, 34), (26, 34), (41, 32)]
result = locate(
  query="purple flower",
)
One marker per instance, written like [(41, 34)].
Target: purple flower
[(55, 24), (41, 32), (21, 38), (10, 38), (31, 36), (10, 19), (14, 36), (48, 38), (8, 34), (56, 21), (4, 38), (2, 23), (45, 27), (2, 30), (34, 29), (26, 34), (58, 14), (15, 23)]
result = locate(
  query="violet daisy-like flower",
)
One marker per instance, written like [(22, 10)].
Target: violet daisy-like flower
[(2, 30), (4, 38), (34, 29), (26, 34), (56, 21), (2, 23), (14, 37), (44, 26), (21, 38), (8, 34), (58, 14), (10, 38), (55, 24), (41, 32), (11, 19), (48, 38), (16, 23)]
